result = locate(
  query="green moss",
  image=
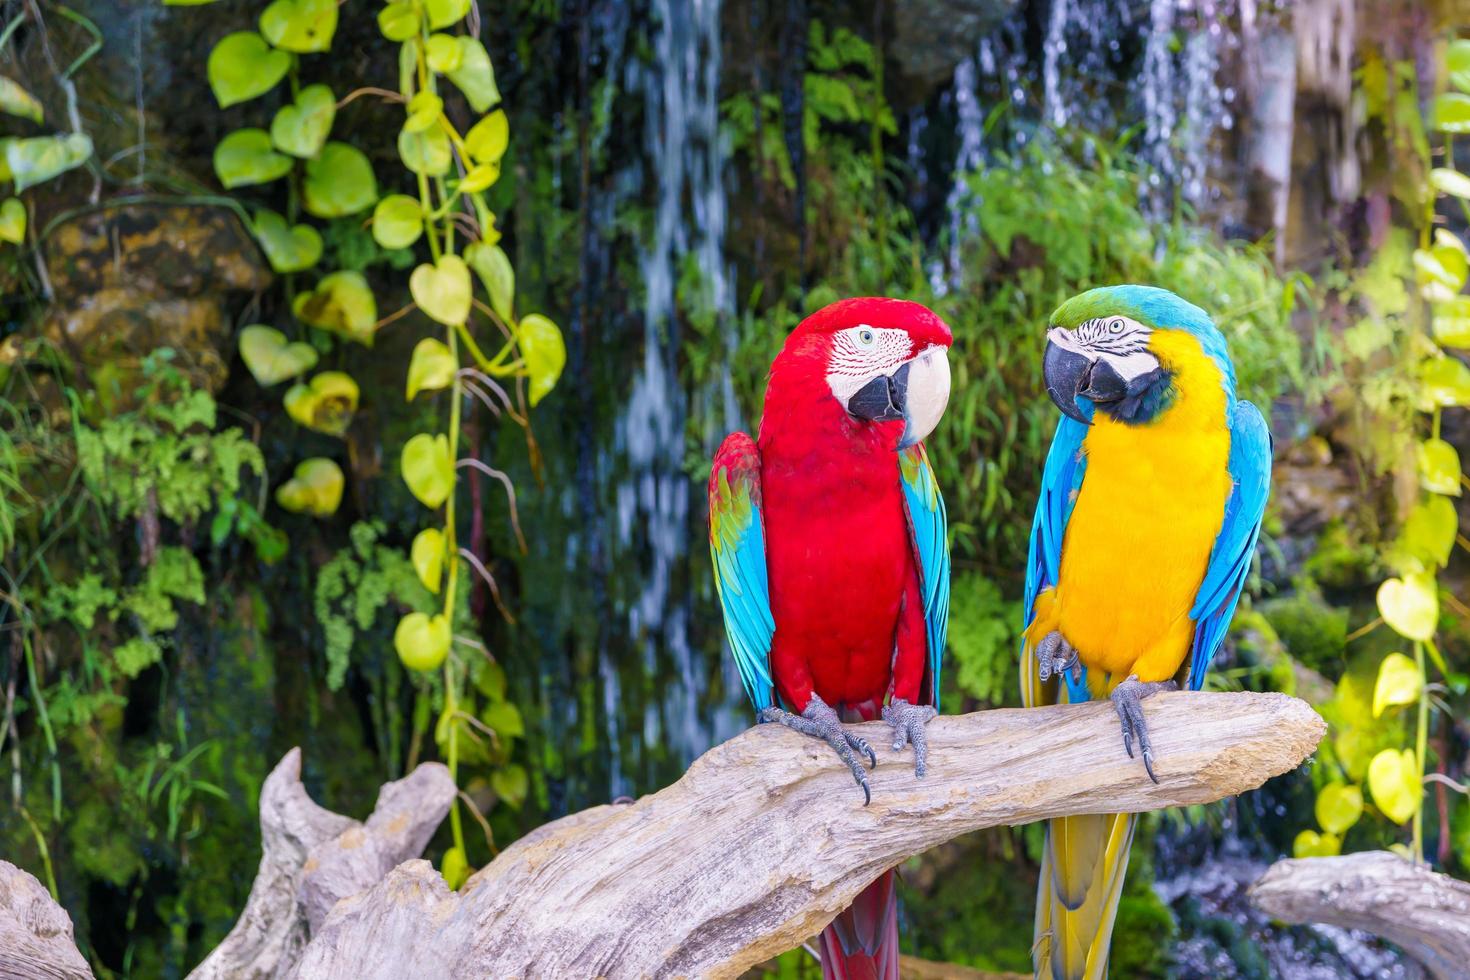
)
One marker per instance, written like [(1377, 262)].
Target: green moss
[(1314, 632)]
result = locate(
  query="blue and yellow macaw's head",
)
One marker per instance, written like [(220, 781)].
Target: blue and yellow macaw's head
[(1127, 350)]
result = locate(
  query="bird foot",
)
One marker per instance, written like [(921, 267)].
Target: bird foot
[(1055, 655), (908, 721), (1127, 699), (820, 721)]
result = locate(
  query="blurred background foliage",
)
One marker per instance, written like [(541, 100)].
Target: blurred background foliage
[(682, 183)]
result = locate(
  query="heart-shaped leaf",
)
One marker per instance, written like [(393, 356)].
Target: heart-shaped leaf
[(302, 26), (443, 13), (1450, 182), (270, 358), (1445, 381), (1410, 606), (339, 182), (301, 128), (1396, 783), (422, 641), (427, 557), (15, 100), (425, 153), (1339, 805), (341, 303), (289, 249), (34, 161), (13, 221), (243, 67), (247, 157), (1450, 113), (1452, 322), (511, 784), (1429, 531), (431, 368), (424, 110), (1441, 271), (315, 488), (1399, 682), (399, 21), (487, 139), (325, 404), (442, 290), (1309, 844), (480, 177), (1439, 467), (494, 269), (474, 75), (505, 718), (398, 221), (455, 868), (442, 52), (544, 353), (427, 468)]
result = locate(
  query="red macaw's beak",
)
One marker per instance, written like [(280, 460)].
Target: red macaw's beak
[(915, 393)]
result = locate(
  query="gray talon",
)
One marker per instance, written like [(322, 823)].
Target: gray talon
[(1054, 655), (1127, 700), (908, 721), (820, 721)]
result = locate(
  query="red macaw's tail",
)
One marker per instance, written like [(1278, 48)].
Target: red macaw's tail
[(862, 942), (1082, 873)]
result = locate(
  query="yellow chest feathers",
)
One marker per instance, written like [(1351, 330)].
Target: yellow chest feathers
[(1147, 515)]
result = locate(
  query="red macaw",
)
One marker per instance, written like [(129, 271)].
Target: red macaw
[(830, 556)]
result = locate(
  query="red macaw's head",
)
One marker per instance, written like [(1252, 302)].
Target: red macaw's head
[(884, 361)]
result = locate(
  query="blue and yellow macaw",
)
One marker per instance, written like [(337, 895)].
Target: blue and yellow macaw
[(1150, 506)]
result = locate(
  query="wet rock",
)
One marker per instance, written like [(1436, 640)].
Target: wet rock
[(930, 38)]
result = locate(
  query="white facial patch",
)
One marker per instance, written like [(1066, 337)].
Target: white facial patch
[(1121, 341), (928, 394), (862, 353)]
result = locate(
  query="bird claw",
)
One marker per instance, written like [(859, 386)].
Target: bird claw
[(820, 721), (1056, 656), (1127, 700), (908, 721)]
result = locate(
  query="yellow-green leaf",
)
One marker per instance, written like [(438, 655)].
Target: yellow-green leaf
[(505, 718), (1396, 783), (339, 182), (455, 868), (1439, 467), (36, 160), (1429, 531), (1410, 605), (443, 13), (1444, 381), (543, 352), (487, 139), (442, 289), (474, 75), (431, 368), (246, 156), (270, 358), (1450, 113), (1452, 321), (13, 221), (15, 100), (1457, 64), (425, 153), (427, 468), (243, 67), (511, 784), (398, 221), (1310, 844), (302, 26), (424, 110), (315, 488), (427, 557), (442, 51), (1442, 270), (1399, 682), (288, 248), (1339, 805), (341, 303), (398, 21), (326, 403), (1451, 182), (480, 177), (494, 269), (301, 128), (422, 641)]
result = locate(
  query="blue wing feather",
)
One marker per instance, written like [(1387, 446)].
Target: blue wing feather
[(1230, 559), (929, 524), (1061, 479), (738, 550)]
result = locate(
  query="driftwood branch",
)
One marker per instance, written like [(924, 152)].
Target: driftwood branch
[(1425, 913), (764, 840), (35, 933)]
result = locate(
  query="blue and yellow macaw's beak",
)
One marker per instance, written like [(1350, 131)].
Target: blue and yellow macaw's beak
[(1072, 370)]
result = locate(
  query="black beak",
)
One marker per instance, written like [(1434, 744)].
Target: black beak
[(883, 398), (1067, 374)]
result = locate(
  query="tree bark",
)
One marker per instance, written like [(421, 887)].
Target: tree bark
[(35, 933), (765, 839), (1425, 913)]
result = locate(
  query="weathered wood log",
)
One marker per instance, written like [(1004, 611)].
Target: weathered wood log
[(311, 857), (35, 933), (765, 839), (1425, 913)]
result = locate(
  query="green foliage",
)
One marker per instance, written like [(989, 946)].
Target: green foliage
[(1314, 632), (983, 637)]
